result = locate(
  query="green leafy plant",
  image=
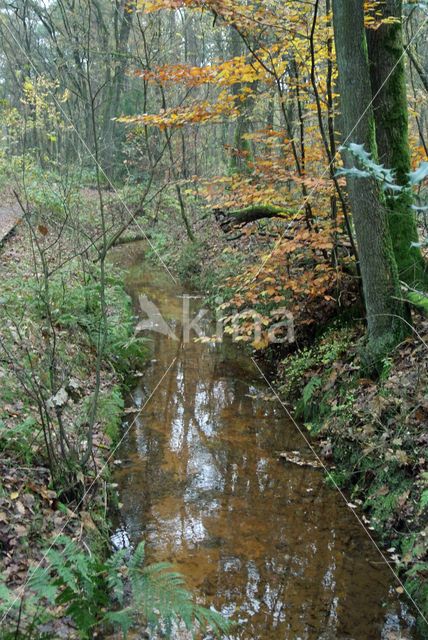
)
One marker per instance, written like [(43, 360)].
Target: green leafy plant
[(20, 438), (189, 264), (93, 593), (424, 500), (387, 180), (109, 410), (76, 305), (323, 353), (163, 599), (310, 388), (383, 175)]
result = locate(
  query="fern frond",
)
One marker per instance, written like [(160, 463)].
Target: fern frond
[(122, 619), (114, 577), (210, 619), (138, 557), (164, 600), (39, 580)]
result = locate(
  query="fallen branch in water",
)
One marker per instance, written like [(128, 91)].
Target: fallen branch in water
[(294, 458)]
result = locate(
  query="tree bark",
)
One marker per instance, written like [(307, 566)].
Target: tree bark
[(388, 83), (240, 152), (116, 86), (386, 314)]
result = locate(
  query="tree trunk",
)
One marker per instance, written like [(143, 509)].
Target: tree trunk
[(388, 83), (240, 152), (386, 314), (116, 87), (230, 219)]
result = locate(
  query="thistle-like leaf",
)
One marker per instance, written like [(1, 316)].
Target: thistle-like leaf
[(416, 177)]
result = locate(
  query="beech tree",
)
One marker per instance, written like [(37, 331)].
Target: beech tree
[(386, 312)]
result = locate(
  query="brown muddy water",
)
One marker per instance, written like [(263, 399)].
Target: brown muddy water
[(265, 542)]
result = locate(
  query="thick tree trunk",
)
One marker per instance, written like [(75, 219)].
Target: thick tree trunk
[(388, 82), (385, 311)]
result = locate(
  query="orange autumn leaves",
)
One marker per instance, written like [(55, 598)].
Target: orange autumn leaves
[(294, 262), (221, 74), (179, 116), (228, 73), (293, 278)]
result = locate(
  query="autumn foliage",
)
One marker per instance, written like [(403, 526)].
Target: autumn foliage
[(305, 256)]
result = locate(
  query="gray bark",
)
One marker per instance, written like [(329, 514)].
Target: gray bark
[(385, 310)]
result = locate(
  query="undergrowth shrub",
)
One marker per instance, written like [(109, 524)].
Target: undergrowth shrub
[(321, 354), (75, 304), (52, 334), (20, 439)]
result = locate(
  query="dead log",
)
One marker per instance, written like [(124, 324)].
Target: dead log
[(240, 217)]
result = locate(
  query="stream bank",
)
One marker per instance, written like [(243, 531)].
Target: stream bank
[(36, 516), (375, 433)]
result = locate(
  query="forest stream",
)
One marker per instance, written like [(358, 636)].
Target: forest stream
[(266, 542)]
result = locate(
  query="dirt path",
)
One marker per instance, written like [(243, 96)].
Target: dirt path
[(9, 217)]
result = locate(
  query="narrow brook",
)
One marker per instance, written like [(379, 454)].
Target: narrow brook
[(264, 541)]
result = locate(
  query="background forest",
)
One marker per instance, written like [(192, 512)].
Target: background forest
[(234, 111), (272, 155)]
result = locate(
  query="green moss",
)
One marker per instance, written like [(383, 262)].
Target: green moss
[(371, 133), (391, 118), (419, 300)]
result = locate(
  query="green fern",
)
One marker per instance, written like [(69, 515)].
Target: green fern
[(114, 574), (159, 588), (87, 586), (310, 388)]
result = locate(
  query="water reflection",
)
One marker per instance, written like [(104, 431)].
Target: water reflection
[(261, 540)]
